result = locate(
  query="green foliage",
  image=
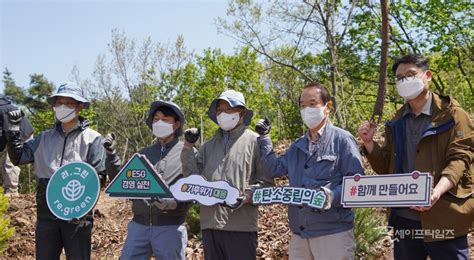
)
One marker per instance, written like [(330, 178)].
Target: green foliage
[(27, 179), (369, 228), (199, 82), (439, 30), (285, 85), (126, 118), (42, 120), (16, 93), (34, 98), (5, 230), (193, 220), (285, 44), (127, 80), (296, 45), (40, 88)]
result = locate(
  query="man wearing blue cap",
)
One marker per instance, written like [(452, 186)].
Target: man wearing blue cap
[(231, 155), (69, 140), (157, 227)]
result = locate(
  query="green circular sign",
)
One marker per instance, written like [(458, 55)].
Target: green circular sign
[(73, 190)]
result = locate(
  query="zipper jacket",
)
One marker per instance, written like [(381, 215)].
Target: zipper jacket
[(54, 148)]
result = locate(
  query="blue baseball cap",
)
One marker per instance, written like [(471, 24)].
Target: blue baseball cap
[(69, 90)]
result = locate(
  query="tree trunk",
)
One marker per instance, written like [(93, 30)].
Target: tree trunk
[(382, 90), (335, 91)]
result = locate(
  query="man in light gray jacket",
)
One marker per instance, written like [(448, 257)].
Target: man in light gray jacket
[(231, 155), (69, 140)]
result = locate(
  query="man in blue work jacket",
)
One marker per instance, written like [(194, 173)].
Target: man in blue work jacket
[(317, 160)]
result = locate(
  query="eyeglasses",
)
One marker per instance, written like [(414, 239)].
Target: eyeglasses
[(68, 104), (410, 74)]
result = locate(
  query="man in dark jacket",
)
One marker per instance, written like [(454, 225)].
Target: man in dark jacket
[(10, 172), (70, 140), (430, 133), (157, 227)]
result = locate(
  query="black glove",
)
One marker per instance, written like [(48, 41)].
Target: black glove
[(109, 143), (263, 126), (241, 201), (14, 146), (14, 118), (192, 135)]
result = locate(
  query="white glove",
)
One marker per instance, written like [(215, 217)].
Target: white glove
[(329, 196)]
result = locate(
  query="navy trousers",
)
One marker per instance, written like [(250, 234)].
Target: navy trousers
[(229, 245), (409, 247), (54, 235)]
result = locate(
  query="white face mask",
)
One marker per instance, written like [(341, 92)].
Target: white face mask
[(228, 121), (64, 114), (312, 116), (410, 88), (162, 129)]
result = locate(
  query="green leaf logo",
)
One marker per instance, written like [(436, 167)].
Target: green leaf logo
[(73, 190)]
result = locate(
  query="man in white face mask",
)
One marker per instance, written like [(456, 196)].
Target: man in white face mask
[(69, 140), (318, 160), (430, 133), (231, 155), (157, 227)]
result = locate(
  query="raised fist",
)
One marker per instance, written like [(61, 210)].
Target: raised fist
[(109, 143), (367, 131), (192, 135), (263, 126), (15, 116), (12, 119)]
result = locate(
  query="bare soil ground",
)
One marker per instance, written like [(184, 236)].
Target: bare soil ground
[(110, 230), (113, 215)]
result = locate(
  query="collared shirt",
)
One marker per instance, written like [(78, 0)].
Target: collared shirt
[(313, 144), (337, 156), (426, 109), (415, 126)]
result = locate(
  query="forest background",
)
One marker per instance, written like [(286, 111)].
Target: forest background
[(283, 45)]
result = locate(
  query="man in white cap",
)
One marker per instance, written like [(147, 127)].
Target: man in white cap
[(69, 140), (231, 155)]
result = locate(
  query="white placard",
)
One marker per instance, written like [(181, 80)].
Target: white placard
[(390, 190), (195, 187), (289, 196)]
